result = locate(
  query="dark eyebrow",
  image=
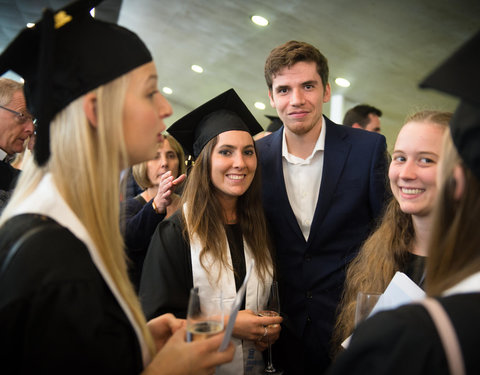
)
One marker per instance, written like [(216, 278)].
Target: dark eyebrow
[(234, 147), (312, 82)]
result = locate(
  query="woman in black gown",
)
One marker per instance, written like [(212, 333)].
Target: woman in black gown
[(219, 230), (66, 304)]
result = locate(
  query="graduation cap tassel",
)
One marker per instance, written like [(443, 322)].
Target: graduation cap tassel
[(43, 93)]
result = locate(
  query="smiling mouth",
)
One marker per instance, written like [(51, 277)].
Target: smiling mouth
[(236, 176), (412, 191)]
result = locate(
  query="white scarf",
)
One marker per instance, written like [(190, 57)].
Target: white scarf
[(247, 359)]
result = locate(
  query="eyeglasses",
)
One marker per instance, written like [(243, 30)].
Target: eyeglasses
[(21, 118)]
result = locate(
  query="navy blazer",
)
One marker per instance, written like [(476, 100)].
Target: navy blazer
[(352, 194)]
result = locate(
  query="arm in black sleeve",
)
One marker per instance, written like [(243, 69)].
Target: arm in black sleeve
[(167, 271)]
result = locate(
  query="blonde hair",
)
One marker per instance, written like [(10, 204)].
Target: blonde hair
[(383, 253), (455, 239), (85, 163)]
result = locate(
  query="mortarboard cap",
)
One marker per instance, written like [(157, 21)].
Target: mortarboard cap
[(459, 76), (221, 114), (275, 123), (64, 56)]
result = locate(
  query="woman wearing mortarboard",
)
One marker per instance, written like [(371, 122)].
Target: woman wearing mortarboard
[(66, 303), (210, 242)]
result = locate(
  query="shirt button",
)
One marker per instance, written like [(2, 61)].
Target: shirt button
[(309, 320), (309, 294), (308, 258)]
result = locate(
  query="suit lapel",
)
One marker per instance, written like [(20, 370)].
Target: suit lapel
[(334, 158)]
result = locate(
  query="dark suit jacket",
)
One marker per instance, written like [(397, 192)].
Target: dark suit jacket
[(8, 176), (351, 197)]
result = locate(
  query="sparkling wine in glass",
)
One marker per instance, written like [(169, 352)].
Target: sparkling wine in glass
[(204, 315), (268, 304)]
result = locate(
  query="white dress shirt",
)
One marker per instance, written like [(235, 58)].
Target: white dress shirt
[(303, 178)]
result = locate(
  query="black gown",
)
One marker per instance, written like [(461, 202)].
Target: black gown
[(167, 271), (406, 341), (57, 314)]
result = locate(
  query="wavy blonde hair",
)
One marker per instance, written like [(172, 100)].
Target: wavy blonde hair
[(85, 163), (383, 253)]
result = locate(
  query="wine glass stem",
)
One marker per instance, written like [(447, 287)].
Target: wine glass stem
[(269, 367)]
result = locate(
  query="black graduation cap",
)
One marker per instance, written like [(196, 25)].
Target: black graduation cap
[(275, 123), (223, 113), (65, 55), (459, 76)]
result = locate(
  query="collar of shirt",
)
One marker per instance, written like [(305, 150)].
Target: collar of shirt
[(2, 154), (469, 285), (319, 146)]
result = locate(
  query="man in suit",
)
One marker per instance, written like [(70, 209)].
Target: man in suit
[(363, 116), (16, 125), (323, 188)]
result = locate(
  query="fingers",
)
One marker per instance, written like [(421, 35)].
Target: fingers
[(179, 179), (270, 320)]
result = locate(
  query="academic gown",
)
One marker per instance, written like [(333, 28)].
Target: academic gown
[(406, 341), (57, 314), (172, 268), (60, 312)]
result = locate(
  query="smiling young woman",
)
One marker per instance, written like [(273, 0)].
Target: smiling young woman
[(400, 241)]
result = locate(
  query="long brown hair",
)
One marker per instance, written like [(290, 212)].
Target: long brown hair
[(383, 253), (454, 251), (204, 215)]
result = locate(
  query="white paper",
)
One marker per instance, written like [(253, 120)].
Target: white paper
[(400, 291), (235, 307)]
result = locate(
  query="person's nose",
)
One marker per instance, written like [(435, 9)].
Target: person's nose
[(29, 127), (239, 161), (408, 171), (164, 108), (297, 98), (163, 161)]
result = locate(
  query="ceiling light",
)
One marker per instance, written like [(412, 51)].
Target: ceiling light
[(259, 20), (92, 12), (167, 90), (30, 25), (259, 105), (342, 82), (197, 68)]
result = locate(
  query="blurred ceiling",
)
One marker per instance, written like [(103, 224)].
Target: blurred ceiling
[(383, 47)]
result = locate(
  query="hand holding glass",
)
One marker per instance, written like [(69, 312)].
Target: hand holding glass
[(204, 315)]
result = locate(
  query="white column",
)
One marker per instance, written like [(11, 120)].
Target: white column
[(336, 108)]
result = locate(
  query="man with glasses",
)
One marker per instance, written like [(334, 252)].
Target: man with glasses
[(16, 125)]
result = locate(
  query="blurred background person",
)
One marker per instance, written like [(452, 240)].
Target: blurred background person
[(16, 126), (159, 179), (275, 124), (363, 116)]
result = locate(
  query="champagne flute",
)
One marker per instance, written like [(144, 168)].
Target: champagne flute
[(204, 315), (365, 304), (268, 304)]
